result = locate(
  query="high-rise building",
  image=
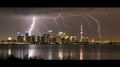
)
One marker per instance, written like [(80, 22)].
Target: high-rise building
[(58, 39), (81, 33), (38, 39), (18, 33), (20, 37), (27, 37), (61, 38), (50, 33), (50, 37), (43, 39), (33, 39)]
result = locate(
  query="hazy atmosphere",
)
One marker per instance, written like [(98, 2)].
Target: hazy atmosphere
[(103, 23)]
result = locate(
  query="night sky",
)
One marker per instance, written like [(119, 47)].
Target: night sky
[(13, 20)]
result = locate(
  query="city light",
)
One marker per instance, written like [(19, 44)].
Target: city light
[(9, 38), (50, 31), (34, 34), (50, 38), (60, 33)]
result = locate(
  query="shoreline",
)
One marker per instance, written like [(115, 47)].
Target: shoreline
[(69, 44)]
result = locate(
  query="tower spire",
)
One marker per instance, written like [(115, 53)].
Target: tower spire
[(81, 33)]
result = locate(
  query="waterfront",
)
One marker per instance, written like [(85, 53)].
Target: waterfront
[(61, 52)]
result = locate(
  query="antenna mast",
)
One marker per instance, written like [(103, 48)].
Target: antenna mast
[(81, 33)]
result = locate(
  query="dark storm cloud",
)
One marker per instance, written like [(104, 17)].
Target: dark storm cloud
[(39, 11), (13, 20)]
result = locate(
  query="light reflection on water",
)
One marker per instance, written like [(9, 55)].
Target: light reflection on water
[(81, 54), (98, 54), (9, 51), (60, 52)]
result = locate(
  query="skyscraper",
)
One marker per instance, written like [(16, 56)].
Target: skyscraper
[(81, 33), (33, 39), (38, 39), (50, 37), (20, 37), (27, 38)]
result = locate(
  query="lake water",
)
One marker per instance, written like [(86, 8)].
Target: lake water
[(61, 52)]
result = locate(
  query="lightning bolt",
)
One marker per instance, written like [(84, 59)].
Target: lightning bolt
[(56, 23), (97, 22), (31, 28), (85, 19), (60, 17)]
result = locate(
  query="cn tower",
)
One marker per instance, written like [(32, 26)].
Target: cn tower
[(81, 33)]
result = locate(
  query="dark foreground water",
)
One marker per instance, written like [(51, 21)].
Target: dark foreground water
[(61, 52)]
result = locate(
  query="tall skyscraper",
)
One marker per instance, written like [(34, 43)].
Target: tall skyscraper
[(20, 37), (81, 33), (33, 39), (27, 38), (50, 37), (38, 39)]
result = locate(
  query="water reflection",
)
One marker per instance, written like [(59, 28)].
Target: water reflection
[(50, 54), (31, 52), (68, 53), (9, 51), (59, 52), (98, 54), (81, 54)]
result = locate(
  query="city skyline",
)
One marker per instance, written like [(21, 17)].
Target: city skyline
[(97, 22)]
